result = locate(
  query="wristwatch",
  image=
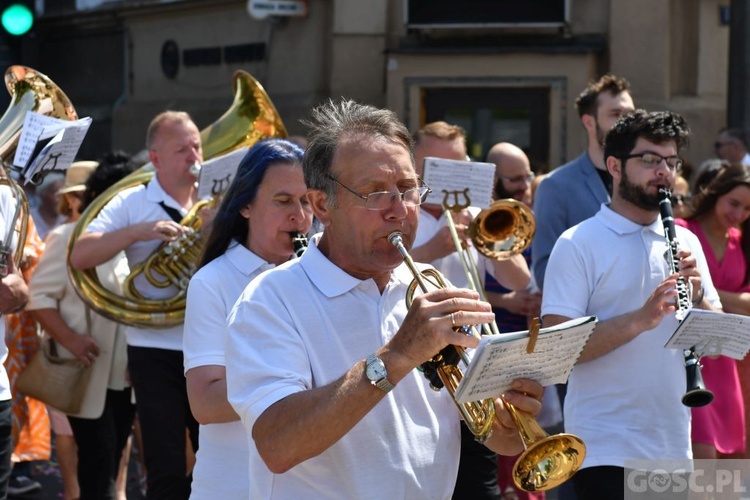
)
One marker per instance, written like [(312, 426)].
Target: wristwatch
[(377, 374)]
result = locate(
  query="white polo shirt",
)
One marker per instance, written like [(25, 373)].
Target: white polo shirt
[(450, 265), (7, 210), (129, 207), (625, 404), (221, 468), (302, 326)]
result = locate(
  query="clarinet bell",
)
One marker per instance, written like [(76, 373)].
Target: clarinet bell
[(696, 395)]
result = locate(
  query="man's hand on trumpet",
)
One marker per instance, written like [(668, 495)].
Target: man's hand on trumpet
[(430, 326), (526, 395)]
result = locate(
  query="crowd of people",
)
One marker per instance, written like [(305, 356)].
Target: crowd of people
[(298, 376)]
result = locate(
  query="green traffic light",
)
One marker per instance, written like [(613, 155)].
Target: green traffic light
[(17, 19)]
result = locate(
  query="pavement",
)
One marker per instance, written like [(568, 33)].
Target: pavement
[(47, 473)]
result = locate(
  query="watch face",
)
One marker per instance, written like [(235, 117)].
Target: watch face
[(376, 370)]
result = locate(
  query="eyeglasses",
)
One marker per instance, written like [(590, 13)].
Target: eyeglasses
[(718, 144), (383, 200), (679, 199), (652, 160), (518, 180)]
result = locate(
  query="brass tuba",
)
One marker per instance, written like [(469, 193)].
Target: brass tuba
[(251, 117), (30, 90), (500, 232)]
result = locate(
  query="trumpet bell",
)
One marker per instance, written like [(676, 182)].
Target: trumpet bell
[(503, 230), (251, 117), (30, 90), (547, 461)]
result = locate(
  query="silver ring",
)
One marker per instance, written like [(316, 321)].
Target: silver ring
[(453, 321)]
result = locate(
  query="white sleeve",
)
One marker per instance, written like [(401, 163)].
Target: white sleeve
[(204, 331), (566, 285), (266, 358), (113, 216)]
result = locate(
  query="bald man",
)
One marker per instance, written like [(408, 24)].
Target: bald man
[(513, 175), (513, 178)]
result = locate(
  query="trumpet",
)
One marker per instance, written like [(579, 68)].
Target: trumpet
[(502, 231), (696, 394), (442, 370)]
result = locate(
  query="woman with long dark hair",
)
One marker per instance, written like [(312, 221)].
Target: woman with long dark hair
[(720, 217), (264, 207)]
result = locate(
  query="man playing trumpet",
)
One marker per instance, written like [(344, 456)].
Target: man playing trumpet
[(322, 350)]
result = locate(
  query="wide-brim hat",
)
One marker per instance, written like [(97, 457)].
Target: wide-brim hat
[(77, 175)]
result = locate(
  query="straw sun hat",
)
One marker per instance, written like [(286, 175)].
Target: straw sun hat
[(76, 176)]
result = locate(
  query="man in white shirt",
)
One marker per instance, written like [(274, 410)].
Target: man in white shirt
[(322, 352), (624, 394), (138, 220), (477, 473)]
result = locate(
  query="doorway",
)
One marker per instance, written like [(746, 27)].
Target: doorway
[(495, 114)]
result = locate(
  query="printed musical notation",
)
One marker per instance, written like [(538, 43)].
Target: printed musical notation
[(218, 173), (713, 333), (48, 143), (461, 180), (500, 359)]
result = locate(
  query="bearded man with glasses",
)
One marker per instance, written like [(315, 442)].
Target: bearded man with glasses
[(624, 393)]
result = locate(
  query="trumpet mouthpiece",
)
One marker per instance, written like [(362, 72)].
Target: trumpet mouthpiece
[(195, 169), (395, 238)]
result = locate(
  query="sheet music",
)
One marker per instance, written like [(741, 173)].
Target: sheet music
[(451, 175), (500, 359), (218, 173), (61, 150), (713, 333), (36, 128)]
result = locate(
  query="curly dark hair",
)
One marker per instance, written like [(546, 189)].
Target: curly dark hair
[(113, 166), (656, 126)]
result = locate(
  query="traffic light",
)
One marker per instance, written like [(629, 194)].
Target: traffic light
[(17, 16)]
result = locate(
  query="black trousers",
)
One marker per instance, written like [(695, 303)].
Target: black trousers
[(163, 414), (477, 470), (100, 443), (6, 446), (604, 481)]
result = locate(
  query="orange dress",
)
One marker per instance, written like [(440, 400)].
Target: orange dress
[(31, 429)]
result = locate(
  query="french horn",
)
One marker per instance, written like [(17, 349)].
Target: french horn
[(251, 117), (499, 232), (30, 90)]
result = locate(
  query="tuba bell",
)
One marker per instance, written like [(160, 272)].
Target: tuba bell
[(251, 117), (499, 232), (30, 90)]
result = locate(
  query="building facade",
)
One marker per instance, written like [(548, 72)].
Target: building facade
[(505, 74)]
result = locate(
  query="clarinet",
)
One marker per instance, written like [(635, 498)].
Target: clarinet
[(299, 243), (696, 395)]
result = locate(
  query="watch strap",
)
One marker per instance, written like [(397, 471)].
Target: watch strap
[(383, 384)]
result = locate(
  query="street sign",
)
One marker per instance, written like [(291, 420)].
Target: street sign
[(261, 9)]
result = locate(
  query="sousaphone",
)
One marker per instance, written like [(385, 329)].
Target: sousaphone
[(251, 117)]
